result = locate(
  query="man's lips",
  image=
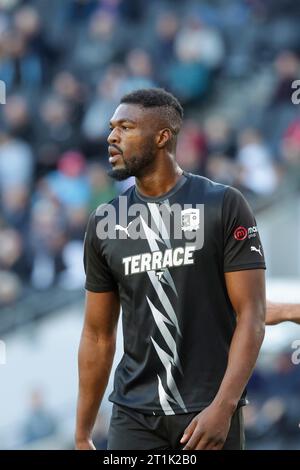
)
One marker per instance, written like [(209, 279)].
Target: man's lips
[(114, 157), (115, 154)]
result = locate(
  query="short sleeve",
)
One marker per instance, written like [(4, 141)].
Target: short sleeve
[(242, 245), (98, 275)]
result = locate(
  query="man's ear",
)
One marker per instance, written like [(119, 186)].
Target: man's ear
[(163, 137)]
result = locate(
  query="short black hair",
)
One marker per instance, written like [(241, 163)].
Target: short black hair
[(153, 97), (171, 109)]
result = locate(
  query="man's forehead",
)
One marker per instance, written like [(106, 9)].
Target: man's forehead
[(131, 112)]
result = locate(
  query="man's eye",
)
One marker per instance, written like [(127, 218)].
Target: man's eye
[(126, 128)]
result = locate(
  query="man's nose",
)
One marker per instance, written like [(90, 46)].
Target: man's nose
[(113, 137)]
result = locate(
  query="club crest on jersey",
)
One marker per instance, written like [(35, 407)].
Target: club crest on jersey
[(190, 219)]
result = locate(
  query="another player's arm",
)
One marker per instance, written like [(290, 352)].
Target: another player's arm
[(280, 312), (95, 358), (246, 290)]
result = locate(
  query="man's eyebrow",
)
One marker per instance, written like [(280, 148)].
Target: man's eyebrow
[(120, 121)]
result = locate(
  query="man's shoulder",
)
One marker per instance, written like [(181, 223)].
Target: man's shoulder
[(206, 184)]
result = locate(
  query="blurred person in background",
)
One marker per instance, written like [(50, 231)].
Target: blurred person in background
[(140, 71), (10, 288), (40, 422), (48, 236), (200, 42), (257, 171), (99, 109), (279, 111), (221, 151), (98, 45), (198, 53), (15, 208), (16, 162), (14, 255), (162, 45), (290, 147), (67, 86), (68, 184), (56, 126), (102, 189), (222, 169), (17, 119), (27, 53), (191, 149), (219, 136), (286, 68)]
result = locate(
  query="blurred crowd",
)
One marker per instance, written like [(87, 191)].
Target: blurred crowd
[(65, 66), (272, 417)]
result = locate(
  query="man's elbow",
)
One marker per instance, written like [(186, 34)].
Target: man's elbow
[(260, 330), (258, 323), (254, 318)]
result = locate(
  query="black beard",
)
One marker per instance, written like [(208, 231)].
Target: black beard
[(119, 175), (137, 166)]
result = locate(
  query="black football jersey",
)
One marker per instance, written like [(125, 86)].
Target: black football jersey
[(167, 256)]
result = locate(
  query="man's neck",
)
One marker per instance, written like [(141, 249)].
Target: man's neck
[(159, 182)]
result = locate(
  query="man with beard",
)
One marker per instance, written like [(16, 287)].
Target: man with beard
[(193, 305)]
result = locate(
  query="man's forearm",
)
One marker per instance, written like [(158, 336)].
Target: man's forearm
[(244, 349), (279, 312), (95, 360)]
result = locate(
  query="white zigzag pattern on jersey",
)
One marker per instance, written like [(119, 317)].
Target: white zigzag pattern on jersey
[(173, 397)]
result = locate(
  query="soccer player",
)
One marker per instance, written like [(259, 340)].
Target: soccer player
[(191, 288)]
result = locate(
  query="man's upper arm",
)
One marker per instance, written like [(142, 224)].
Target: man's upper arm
[(246, 291), (102, 306), (242, 245), (101, 314), (244, 262), (99, 277)]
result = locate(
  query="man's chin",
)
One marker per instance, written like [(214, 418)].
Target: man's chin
[(120, 174)]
